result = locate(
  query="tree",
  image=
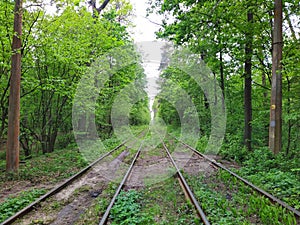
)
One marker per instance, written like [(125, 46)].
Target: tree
[(6, 30), (275, 128), (248, 83), (63, 47), (60, 50), (12, 154)]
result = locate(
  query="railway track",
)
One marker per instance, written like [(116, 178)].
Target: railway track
[(214, 165), (188, 160), (89, 176), (259, 190), (168, 159)]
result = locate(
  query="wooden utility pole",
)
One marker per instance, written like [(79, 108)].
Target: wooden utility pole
[(275, 128), (12, 152)]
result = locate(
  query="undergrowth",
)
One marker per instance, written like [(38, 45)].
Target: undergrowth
[(48, 168), (12, 205), (228, 201), (127, 210), (278, 174)]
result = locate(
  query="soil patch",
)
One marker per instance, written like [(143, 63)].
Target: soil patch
[(67, 206)]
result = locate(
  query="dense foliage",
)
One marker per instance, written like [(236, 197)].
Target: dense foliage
[(76, 52), (58, 49), (217, 32)]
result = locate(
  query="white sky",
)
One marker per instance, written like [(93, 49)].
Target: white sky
[(144, 30)]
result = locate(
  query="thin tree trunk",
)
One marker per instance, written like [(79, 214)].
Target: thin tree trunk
[(289, 121), (248, 86), (264, 84), (290, 25), (13, 146), (222, 80), (92, 3), (275, 128), (206, 103)]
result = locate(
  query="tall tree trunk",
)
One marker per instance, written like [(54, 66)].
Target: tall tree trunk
[(222, 74), (275, 128), (248, 85), (289, 121), (12, 154), (264, 84)]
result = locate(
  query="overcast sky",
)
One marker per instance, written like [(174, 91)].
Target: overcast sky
[(144, 33), (144, 30)]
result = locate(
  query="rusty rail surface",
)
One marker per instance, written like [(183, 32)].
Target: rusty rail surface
[(106, 214), (187, 189), (259, 190), (56, 189)]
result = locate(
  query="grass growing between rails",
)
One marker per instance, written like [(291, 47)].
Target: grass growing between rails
[(166, 204), (277, 174), (94, 213), (226, 200), (162, 203), (127, 210)]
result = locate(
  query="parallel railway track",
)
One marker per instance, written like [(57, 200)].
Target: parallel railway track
[(56, 190), (182, 181), (248, 183), (185, 187)]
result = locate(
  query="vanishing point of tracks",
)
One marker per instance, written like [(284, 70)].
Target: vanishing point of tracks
[(185, 187), (174, 160)]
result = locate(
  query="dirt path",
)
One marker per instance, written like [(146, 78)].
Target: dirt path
[(67, 206), (151, 167)]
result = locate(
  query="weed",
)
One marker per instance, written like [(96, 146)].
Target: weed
[(126, 210), (13, 204)]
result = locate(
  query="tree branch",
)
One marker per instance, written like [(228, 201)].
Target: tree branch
[(93, 4), (104, 4), (261, 85), (152, 21)]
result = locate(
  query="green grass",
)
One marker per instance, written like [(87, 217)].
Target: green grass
[(49, 168), (98, 206), (127, 210), (226, 200), (278, 174), (165, 203), (58, 165), (12, 205)]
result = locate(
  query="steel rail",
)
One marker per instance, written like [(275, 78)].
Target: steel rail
[(259, 190), (187, 189), (106, 214), (56, 189)]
